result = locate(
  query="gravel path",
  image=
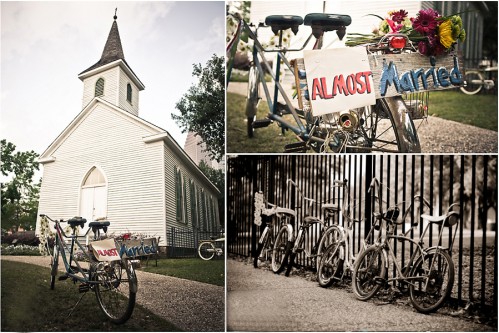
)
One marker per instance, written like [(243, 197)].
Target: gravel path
[(190, 305), (436, 135), (259, 300)]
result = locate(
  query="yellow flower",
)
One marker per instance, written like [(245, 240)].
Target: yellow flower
[(445, 34)]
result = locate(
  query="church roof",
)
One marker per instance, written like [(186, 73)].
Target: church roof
[(112, 50)]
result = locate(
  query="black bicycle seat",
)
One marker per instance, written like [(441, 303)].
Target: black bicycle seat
[(283, 22), (77, 221), (321, 22), (99, 224)]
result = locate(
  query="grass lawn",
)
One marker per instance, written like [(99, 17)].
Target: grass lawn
[(477, 110), (195, 269), (28, 304)]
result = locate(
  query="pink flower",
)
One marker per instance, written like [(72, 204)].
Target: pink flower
[(425, 22), (423, 48), (399, 16)]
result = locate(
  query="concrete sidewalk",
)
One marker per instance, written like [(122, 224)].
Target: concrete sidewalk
[(259, 300)]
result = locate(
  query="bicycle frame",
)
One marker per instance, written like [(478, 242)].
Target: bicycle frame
[(62, 248)]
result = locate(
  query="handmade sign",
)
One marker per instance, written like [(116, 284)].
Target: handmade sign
[(338, 79), (105, 250), (138, 247)]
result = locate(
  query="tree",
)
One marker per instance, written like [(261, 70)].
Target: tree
[(217, 177), (202, 108), (19, 195)]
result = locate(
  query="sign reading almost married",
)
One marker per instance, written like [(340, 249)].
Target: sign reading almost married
[(138, 247), (338, 79), (105, 250)]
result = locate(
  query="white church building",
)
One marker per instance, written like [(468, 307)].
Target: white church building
[(110, 163)]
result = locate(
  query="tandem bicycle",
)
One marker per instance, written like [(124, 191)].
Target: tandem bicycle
[(97, 267)]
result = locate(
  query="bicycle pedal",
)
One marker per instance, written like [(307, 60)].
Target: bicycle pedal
[(297, 147), (83, 288), (62, 277), (379, 280), (259, 123)]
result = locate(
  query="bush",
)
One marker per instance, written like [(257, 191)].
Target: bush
[(20, 250), (21, 238)]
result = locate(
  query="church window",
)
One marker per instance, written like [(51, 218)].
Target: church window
[(94, 178), (129, 92), (179, 195), (99, 87)]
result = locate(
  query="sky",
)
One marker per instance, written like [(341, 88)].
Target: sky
[(45, 45)]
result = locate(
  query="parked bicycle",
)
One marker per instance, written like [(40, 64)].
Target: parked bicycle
[(474, 80), (274, 217), (287, 248), (111, 278), (429, 272), (207, 249), (385, 126)]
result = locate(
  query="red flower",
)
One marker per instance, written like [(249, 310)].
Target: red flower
[(425, 22), (399, 16)]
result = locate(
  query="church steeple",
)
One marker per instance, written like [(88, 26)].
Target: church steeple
[(111, 78)]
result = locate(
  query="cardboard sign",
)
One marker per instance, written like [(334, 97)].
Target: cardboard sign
[(105, 250), (338, 79), (138, 247)]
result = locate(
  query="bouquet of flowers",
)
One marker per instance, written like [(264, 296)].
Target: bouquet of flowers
[(432, 33)]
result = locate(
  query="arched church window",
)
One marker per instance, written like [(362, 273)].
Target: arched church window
[(129, 92), (99, 87), (94, 178)]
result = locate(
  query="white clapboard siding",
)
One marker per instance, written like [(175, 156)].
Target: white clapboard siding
[(190, 173), (111, 82), (113, 141), (123, 103)]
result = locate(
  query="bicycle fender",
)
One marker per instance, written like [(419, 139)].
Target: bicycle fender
[(290, 232), (133, 277)]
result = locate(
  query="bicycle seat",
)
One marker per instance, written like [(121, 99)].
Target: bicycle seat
[(447, 220), (283, 22), (309, 220), (321, 22), (77, 221), (281, 210), (96, 225), (331, 207)]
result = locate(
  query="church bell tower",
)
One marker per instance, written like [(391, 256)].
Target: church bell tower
[(111, 78)]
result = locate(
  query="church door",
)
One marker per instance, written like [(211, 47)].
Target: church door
[(93, 198)]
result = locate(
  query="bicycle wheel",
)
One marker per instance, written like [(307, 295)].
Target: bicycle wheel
[(435, 273), (385, 126), (206, 250), (332, 235), (252, 99), (264, 245), (331, 265), (54, 263), (472, 86), (115, 289), (369, 267), (281, 251)]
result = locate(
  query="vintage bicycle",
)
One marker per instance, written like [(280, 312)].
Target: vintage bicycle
[(274, 217), (429, 272), (386, 125), (474, 80), (207, 249), (288, 248), (97, 267)]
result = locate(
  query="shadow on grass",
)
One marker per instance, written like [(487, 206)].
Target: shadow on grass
[(28, 304)]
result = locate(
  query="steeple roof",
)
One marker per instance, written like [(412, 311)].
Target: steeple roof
[(112, 51)]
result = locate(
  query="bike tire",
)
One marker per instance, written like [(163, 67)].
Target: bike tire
[(405, 135), (206, 250), (332, 235), (430, 296), (54, 264), (291, 262), (368, 266), (115, 289), (472, 88), (265, 244), (252, 99), (330, 268), (281, 251)]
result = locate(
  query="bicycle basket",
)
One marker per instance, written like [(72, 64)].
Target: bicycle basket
[(417, 104)]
